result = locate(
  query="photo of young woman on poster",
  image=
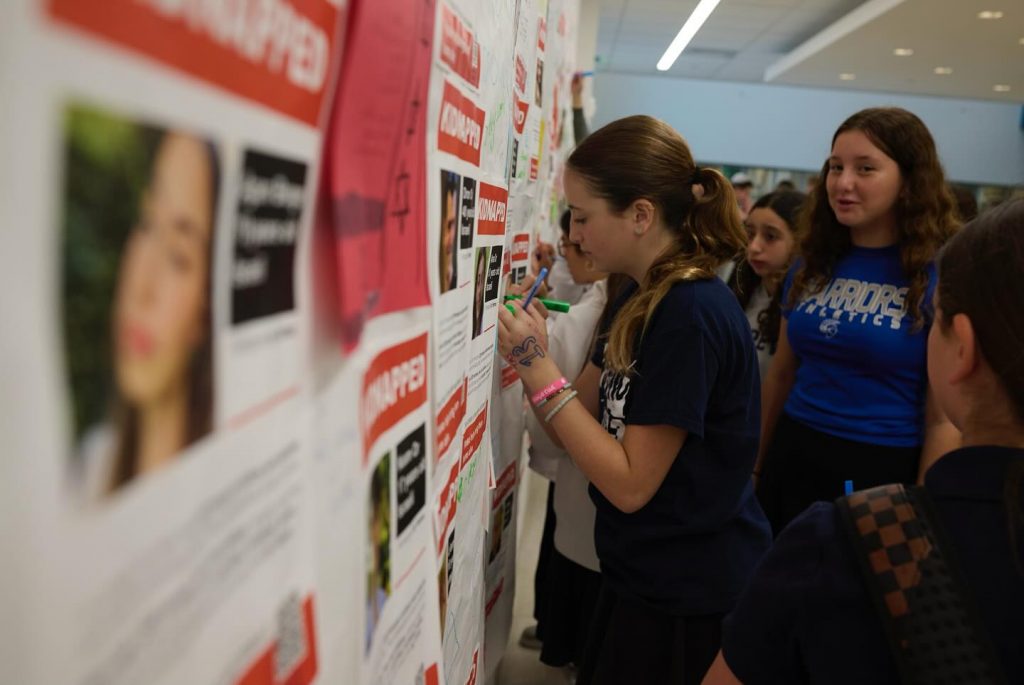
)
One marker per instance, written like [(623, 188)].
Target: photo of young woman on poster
[(378, 551), (479, 290), (449, 252), (160, 365)]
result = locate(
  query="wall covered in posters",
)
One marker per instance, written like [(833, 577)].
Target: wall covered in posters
[(249, 333)]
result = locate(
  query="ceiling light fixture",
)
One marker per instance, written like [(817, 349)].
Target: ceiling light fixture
[(696, 19), (903, 52), (990, 14), (1001, 88), (847, 77), (943, 71)]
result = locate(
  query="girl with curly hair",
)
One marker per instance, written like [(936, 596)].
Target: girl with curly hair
[(847, 397), (757, 277), (807, 615)]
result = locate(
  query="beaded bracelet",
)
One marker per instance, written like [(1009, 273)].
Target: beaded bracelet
[(558, 407), (565, 388), (548, 391)]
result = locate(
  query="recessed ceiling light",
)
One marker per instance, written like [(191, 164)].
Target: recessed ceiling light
[(1001, 88), (943, 71), (990, 14), (847, 77), (903, 52)]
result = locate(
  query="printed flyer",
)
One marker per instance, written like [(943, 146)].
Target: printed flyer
[(257, 433), (468, 198), (163, 303), (375, 161)]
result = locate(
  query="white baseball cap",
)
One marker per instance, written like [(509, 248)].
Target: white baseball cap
[(741, 179)]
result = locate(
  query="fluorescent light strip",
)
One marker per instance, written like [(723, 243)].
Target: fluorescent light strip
[(697, 18)]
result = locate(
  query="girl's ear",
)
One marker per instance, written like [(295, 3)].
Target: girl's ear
[(642, 215), (967, 357)]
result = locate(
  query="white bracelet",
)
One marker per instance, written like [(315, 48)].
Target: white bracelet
[(558, 407)]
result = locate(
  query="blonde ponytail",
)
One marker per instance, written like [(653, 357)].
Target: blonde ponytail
[(711, 234)]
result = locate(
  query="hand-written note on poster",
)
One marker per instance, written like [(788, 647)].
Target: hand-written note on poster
[(375, 164)]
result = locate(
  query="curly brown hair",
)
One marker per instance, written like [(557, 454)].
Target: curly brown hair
[(925, 209)]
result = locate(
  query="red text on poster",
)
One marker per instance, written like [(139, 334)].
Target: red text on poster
[(474, 436), (490, 210), (471, 680), (275, 52), (520, 75), (449, 419), (495, 596), (447, 505), (509, 376), (461, 126), (459, 49), (522, 108), (506, 481), (290, 660), (520, 247), (395, 384), (373, 196)]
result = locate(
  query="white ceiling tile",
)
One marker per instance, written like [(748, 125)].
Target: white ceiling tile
[(743, 37)]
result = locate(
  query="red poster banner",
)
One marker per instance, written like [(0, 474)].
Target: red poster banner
[(461, 126), (505, 483), (520, 75), (449, 419), (459, 49), (374, 191), (395, 384), (491, 209), (522, 107), (265, 669), (446, 507), (473, 437), (520, 247), (509, 376), (275, 52), (471, 680), (495, 596)]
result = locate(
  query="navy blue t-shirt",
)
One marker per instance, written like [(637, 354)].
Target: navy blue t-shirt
[(862, 365), (691, 549), (807, 618)]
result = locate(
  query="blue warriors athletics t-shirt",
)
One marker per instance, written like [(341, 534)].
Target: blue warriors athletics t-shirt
[(862, 365)]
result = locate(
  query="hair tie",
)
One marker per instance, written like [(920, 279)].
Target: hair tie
[(697, 183)]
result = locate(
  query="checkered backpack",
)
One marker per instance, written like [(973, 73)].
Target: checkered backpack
[(909, 567)]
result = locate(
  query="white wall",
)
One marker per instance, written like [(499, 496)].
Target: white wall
[(791, 128)]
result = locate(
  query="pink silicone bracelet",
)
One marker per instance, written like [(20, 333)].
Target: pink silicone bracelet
[(548, 391)]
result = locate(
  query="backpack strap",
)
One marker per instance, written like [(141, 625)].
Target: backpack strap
[(932, 623)]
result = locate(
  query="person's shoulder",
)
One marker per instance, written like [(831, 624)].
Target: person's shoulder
[(680, 306), (703, 293)]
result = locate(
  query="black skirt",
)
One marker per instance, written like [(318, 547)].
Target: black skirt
[(803, 466), (633, 643), (572, 592)]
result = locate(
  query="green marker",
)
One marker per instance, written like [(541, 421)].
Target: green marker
[(553, 305)]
